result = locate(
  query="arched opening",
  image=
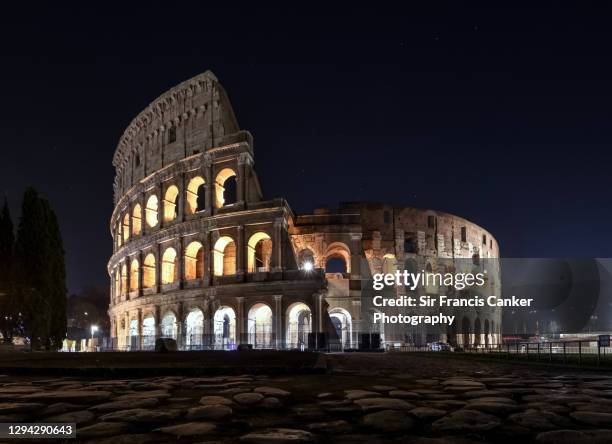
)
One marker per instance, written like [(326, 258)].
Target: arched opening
[(136, 220), (194, 261), (477, 333), (261, 331), (126, 227), (259, 252), (335, 264), (124, 280), (134, 274), (487, 333), (389, 263), (171, 203), (224, 255), (148, 333), (225, 189), (299, 325), (342, 322), (306, 260), (148, 271), (194, 329), (168, 270), (465, 332), (337, 258), (168, 326), (151, 211), (196, 195), (225, 328), (134, 339)]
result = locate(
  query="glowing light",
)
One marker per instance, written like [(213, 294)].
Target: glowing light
[(307, 266)]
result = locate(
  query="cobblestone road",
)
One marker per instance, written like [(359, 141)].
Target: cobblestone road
[(365, 399)]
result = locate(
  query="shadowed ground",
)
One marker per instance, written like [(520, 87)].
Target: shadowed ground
[(358, 398)]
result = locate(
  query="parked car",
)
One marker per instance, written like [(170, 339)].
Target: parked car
[(440, 346)]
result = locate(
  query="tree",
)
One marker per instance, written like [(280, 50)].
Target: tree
[(57, 284), (9, 315), (41, 272)]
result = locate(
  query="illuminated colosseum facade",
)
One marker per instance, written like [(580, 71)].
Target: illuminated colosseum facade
[(200, 256)]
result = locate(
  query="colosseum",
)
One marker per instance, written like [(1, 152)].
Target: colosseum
[(199, 255)]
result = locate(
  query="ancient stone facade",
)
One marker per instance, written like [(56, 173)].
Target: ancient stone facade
[(201, 256)]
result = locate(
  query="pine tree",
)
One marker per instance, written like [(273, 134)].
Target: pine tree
[(57, 285), (33, 274), (8, 303)]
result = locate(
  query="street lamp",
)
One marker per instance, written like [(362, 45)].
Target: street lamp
[(94, 328)]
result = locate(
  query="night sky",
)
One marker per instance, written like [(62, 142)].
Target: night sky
[(502, 116)]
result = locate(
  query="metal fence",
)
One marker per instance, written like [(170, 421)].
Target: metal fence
[(575, 352)]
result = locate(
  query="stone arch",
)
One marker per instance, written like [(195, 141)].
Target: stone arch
[(151, 211), (169, 327), (259, 252), (168, 266), (260, 326), (343, 324), (299, 325), (220, 183), (134, 274), (126, 226), (148, 271), (136, 220), (306, 259), (124, 280), (194, 261), (224, 254), (194, 328), (196, 195), (224, 327), (171, 203), (337, 258)]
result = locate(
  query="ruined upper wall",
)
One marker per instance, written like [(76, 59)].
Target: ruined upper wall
[(393, 229), (192, 117)]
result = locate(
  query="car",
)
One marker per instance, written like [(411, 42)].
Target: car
[(440, 346)]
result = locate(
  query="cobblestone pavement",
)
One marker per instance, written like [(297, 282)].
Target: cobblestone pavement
[(365, 399)]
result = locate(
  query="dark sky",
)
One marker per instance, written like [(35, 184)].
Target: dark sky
[(499, 115)]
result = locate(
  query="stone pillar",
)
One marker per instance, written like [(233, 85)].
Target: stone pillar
[(128, 273), (140, 272), (182, 184), (139, 331), (209, 181), (278, 321), (180, 325), (157, 315), (180, 263), (240, 250), (241, 179), (277, 244), (241, 322), (208, 259), (355, 256), (158, 264), (126, 331)]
